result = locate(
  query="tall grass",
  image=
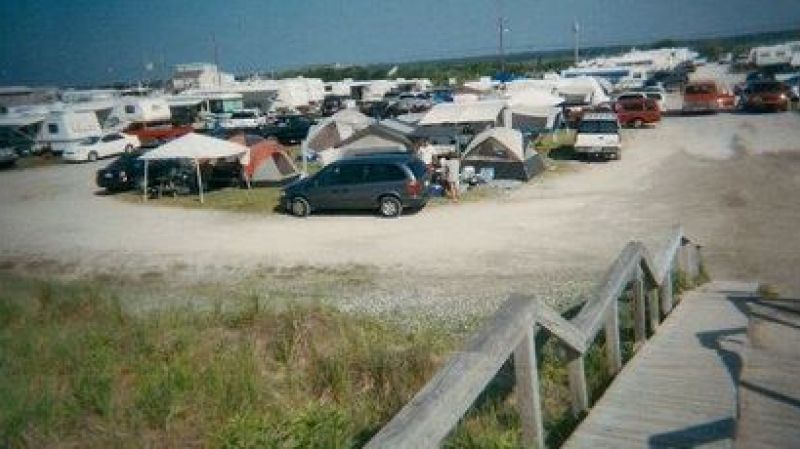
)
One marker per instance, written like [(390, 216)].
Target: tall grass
[(75, 370)]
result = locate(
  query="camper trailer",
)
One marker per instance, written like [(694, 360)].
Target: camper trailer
[(66, 126)]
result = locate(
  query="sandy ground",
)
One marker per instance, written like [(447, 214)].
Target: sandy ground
[(731, 180)]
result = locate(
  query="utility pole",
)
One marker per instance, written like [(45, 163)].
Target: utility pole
[(500, 31), (576, 30), (216, 58)]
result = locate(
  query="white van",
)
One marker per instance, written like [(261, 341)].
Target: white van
[(65, 127), (598, 136)]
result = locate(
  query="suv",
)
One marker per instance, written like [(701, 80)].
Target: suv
[(598, 135), (386, 182), (707, 96), (637, 111), (766, 95)]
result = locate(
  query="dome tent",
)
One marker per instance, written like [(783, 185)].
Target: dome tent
[(504, 151), (265, 163)]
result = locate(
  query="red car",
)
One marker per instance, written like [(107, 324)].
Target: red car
[(766, 96), (637, 112), (154, 133), (707, 96)]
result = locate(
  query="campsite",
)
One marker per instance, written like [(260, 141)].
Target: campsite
[(339, 229)]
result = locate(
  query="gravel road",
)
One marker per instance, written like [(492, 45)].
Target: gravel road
[(730, 179)]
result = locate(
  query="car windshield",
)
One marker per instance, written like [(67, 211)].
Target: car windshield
[(90, 140), (765, 87), (598, 127), (695, 89)]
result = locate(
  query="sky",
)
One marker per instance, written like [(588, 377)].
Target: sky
[(61, 42)]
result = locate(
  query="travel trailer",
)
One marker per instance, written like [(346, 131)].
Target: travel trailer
[(67, 126)]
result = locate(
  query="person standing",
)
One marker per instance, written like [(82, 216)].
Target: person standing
[(452, 173)]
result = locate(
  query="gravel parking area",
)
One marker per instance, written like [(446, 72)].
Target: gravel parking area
[(730, 179)]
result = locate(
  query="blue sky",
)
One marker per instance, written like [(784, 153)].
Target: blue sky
[(71, 41)]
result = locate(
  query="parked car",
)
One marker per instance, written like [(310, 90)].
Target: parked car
[(287, 129), (637, 112), (766, 96), (414, 102), (332, 104), (656, 94), (598, 136), (670, 80), (759, 75), (168, 176), (793, 84), (244, 119), (707, 96), (156, 133), (125, 173), (98, 147), (8, 156), (389, 183)]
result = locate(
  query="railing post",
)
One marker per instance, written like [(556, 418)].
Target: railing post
[(638, 308), (688, 261), (528, 398), (613, 351), (577, 382), (666, 293), (652, 305)]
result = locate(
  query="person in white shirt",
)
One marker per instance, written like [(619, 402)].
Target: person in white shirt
[(452, 175)]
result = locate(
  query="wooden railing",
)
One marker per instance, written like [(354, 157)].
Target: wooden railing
[(435, 410)]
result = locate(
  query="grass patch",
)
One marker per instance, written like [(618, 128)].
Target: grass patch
[(263, 200), (76, 370), (550, 142)]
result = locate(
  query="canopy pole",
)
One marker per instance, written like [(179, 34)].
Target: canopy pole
[(144, 188), (199, 180)]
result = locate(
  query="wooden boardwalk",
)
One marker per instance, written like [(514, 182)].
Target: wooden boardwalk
[(769, 388), (680, 388)]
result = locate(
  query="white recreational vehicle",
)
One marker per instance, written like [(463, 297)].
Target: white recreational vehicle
[(138, 110), (66, 126), (776, 55)]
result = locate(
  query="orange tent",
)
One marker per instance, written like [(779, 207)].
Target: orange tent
[(266, 162)]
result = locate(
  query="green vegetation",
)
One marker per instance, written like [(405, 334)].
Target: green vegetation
[(262, 200), (77, 370), (80, 366)]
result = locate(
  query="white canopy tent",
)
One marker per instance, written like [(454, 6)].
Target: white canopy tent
[(195, 147), (471, 112)]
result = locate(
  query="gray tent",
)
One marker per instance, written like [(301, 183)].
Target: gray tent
[(504, 150)]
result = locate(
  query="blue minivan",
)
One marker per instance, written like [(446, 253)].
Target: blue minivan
[(388, 183)]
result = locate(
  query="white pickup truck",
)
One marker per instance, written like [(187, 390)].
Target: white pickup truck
[(598, 136)]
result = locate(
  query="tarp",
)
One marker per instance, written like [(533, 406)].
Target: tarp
[(195, 146), (474, 112)]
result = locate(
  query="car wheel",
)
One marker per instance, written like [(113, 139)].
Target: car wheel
[(638, 123), (92, 156), (299, 207), (390, 206)]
